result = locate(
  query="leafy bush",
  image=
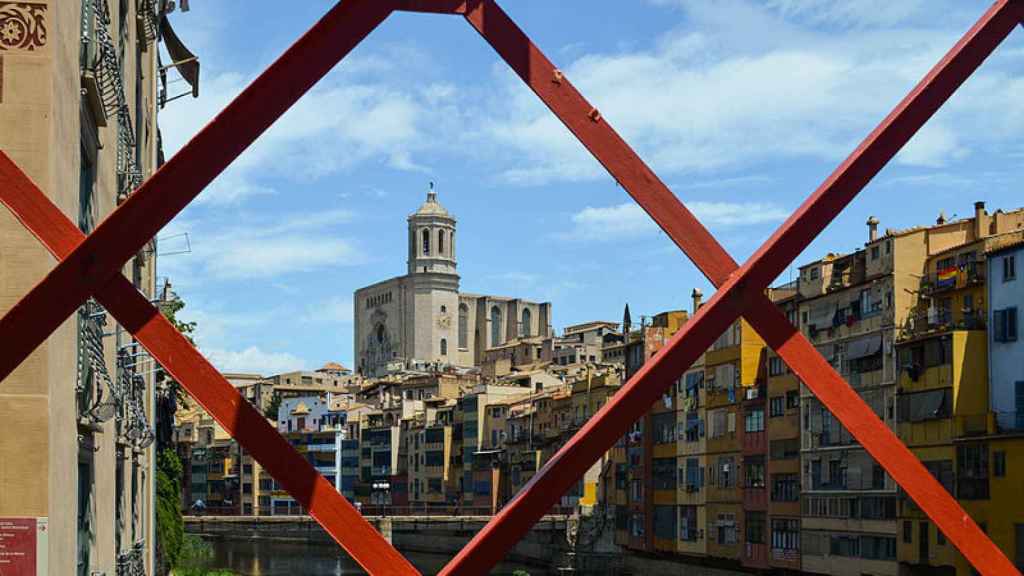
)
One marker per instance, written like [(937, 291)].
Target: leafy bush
[(170, 528)]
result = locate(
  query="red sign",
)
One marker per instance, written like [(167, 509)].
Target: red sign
[(17, 547)]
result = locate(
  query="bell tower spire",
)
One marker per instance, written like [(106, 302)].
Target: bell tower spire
[(431, 238)]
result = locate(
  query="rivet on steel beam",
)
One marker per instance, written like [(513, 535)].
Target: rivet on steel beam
[(558, 76), (594, 115)]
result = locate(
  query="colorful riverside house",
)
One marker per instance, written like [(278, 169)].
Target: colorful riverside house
[(782, 426), (591, 388), (1005, 438), (663, 479), (691, 457), (730, 368), (522, 441), (849, 307), (753, 469), (640, 442), (947, 408), (429, 454)]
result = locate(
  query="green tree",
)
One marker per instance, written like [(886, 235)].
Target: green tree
[(170, 528), (271, 410)]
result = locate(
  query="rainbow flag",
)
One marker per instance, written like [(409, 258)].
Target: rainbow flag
[(946, 277)]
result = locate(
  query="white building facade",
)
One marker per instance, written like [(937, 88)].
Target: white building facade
[(1006, 349), (422, 317)]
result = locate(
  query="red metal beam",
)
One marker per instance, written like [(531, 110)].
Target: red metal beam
[(208, 387), (91, 264), (743, 293), (597, 135), (180, 180), (434, 6), (878, 439)]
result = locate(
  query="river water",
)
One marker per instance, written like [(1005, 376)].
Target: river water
[(292, 558)]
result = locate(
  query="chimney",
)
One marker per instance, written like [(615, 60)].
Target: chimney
[(872, 229), (697, 295), (980, 220)]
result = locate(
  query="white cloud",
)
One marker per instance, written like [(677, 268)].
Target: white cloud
[(338, 310), (629, 219), (254, 360), (261, 248), (343, 121), (844, 12), (743, 84)]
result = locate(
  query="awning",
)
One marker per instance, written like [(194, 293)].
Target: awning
[(181, 57), (929, 405), (864, 347)]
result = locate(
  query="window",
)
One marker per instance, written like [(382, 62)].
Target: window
[(793, 399), (440, 242), (784, 449), (928, 405), (777, 406), (755, 527), (524, 330), (426, 242), (495, 326), (665, 522), (878, 548), (726, 472), (999, 463), (1009, 268), (694, 475), (726, 529), (786, 534), (434, 458), (664, 426), (1005, 324), (463, 326), (972, 472), (664, 472), (434, 485), (874, 252), (754, 420), (776, 366), (908, 532), (688, 523), (785, 487), (753, 472), (815, 273), (444, 346), (848, 546)]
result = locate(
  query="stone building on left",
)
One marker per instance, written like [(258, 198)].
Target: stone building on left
[(80, 88)]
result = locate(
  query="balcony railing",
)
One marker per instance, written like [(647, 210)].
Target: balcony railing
[(941, 320), (969, 274)]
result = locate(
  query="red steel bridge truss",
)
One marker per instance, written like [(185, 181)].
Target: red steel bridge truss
[(90, 266)]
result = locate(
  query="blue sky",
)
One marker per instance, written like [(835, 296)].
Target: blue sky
[(742, 108)]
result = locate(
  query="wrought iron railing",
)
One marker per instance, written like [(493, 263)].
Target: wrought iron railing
[(132, 562), (962, 276), (941, 320), (100, 57)]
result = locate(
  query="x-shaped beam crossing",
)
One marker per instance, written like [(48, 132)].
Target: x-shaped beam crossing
[(90, 266)]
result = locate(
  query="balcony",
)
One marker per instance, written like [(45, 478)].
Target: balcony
[(938, 320), (963, 276)]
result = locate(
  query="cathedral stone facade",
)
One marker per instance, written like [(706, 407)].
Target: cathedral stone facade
[(423, 318)]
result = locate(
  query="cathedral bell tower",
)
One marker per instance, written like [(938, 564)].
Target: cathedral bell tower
[(431, 238)]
